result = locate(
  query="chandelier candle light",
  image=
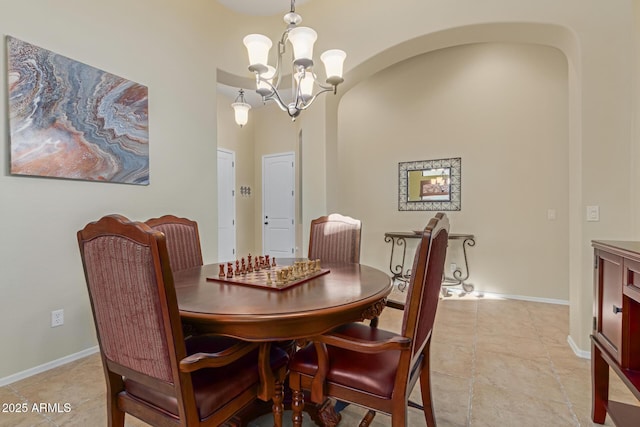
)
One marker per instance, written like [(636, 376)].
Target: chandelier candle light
[(302, 75)]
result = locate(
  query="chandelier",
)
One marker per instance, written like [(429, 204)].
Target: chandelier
[(304, 81)]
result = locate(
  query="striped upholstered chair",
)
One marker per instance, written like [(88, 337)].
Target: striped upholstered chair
[(151, 371), (374, 368), (183, 240), (335, 238)]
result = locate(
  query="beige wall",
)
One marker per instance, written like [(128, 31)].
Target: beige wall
[(503, 109), (168, 47)]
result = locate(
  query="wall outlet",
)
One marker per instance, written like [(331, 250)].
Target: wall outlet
[(453, 267), (57, 318)]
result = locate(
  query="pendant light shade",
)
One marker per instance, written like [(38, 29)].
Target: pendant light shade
[(241, 109), (258, 47), (333, 63), (302, 39)]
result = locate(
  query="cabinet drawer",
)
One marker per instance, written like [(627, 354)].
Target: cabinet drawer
[(632, 279)]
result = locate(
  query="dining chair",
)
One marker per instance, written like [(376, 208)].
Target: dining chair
[(335, 238), (151, 371), (371, 367), (183, 240)]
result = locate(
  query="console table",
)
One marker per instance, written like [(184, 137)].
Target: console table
[(400, 273), (615, 341)]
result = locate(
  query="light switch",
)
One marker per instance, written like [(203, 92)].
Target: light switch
[(593, 213)]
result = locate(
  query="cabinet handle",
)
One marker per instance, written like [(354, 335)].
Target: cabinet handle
[(617, 310)]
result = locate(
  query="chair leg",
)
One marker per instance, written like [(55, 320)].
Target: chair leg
[(115, 416), (278, 406), (368, 417), (425, 387), (297, 403)]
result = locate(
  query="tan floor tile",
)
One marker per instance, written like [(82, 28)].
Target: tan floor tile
[(565, 360), (451, 399), (453, 333), (516, 326), (459, 318), (452, 359), (523, 347), (495, 406), (531, 377)]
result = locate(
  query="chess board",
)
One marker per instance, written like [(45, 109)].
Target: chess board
[(258, 279)]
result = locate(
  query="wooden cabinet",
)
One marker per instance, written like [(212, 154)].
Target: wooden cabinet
[(615, 341)]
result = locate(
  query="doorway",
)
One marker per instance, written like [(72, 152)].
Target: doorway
[(278, 205), (226, 205)]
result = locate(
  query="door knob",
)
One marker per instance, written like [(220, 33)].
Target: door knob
[(617, 309)]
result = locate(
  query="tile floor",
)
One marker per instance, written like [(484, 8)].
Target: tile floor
[(495, 363)]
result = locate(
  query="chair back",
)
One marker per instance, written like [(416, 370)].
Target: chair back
[(425, 284), (335, 238), (126, 267), (183, 240)]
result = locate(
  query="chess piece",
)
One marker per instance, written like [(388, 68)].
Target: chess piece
[(229, 270), (221, 273), (237, 268), (273, 262), (266, 261), (269, 278), (257, 266)]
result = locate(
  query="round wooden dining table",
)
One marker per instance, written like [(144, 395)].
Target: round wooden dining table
[(347, 293)]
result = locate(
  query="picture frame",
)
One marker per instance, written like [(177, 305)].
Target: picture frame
[(430, 185)]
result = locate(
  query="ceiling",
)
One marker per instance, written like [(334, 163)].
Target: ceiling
[(260, 7)]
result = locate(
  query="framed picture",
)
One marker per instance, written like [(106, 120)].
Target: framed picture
[(430, 185), (70, 120)]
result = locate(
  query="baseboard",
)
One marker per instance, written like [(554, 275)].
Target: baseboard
[(49, 365), (585, 354), (489, 295)]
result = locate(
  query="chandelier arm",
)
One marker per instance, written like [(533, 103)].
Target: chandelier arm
[(275, 96), (324, 86), (313, 98), (281, 51)]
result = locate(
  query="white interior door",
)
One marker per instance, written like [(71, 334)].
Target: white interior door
[(226, 205), (278, 207)]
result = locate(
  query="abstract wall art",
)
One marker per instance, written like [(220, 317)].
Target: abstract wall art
[(70, 120)]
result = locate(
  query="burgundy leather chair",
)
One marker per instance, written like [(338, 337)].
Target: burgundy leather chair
[(373, 368), (335, 238), (183, 240), (151, 371)]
